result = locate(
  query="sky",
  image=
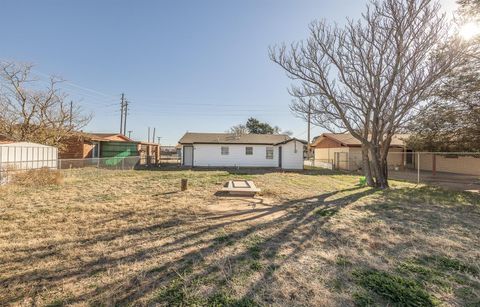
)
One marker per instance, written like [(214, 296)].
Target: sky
[(198, 66)]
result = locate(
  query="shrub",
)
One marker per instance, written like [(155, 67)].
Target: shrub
[(37, 177)]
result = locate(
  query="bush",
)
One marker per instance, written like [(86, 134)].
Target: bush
[(37, 177)]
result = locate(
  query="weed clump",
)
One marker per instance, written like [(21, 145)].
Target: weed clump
[(450, 264), (326, 212), (37, 177), (397, 289), (222, 299), (362, 299)]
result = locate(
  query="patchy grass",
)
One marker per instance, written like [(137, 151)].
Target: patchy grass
[(393, 288), (312, 238)]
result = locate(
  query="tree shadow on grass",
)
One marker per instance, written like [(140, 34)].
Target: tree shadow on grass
[(189, 248)]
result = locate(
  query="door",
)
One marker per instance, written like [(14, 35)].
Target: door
[(280, 156), (95, 150), (188, 155)]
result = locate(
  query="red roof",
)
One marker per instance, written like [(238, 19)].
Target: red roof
[(5, 139), (346, 139), (108, 137)]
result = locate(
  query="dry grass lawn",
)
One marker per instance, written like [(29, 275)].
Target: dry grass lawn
[(314, 238)]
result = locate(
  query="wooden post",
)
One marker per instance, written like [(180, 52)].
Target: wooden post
[(434, 164), (418, 167), (184, 184)]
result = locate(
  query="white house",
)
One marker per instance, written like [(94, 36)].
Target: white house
[(249, 150)]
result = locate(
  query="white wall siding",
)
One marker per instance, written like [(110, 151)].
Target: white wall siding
[(210, 155), (24, 155), (292, 155)]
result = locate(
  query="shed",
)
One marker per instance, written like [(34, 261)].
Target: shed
[(25, 155)]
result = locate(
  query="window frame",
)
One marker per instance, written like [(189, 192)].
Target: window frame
[(267, 149), (251, 150), (223, 152)]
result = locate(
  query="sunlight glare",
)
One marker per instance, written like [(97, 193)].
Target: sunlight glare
[(470, 30)]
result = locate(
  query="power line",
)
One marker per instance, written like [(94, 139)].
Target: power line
[(86, 90)]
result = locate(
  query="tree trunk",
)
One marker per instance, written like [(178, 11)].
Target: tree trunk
[(380, 168), (366, 167), (383, 182)]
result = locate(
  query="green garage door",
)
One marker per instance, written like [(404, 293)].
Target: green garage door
[(117, 151)]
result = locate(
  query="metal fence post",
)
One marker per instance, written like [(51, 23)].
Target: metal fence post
[(123, 164), (418, 167)]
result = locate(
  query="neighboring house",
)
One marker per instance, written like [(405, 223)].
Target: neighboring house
[(343, 151), (249, 150), (98, 145)]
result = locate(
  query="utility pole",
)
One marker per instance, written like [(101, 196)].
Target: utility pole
[(121, 113), (308, 125), (125, 118), (153, 136), (149, 134), (71, 113), (129, 133)]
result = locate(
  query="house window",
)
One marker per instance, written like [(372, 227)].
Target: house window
[(249, 151), (269, 153), (224, 150)]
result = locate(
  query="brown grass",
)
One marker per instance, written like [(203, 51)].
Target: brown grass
[(312, 238), (37, 177)]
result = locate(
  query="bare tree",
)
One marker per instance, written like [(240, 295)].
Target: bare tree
[(369, 77), (34, 113), (238, 130)]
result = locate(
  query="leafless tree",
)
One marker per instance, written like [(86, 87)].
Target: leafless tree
[(238, 130), (35, 113), (369, 77)]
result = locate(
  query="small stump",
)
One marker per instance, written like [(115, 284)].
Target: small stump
[(184, 184)]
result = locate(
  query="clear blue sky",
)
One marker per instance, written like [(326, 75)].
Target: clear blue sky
[(184, 65)]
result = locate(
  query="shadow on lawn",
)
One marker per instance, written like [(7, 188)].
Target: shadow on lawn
[(299, 213), (177, 276), (433, 211), (190, 268)]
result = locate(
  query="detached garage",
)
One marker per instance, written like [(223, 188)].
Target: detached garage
[(248, 150)]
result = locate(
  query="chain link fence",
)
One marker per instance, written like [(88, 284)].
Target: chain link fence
[(10, 168), (456, 170)]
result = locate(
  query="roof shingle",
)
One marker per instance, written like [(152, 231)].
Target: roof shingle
[(347, 139), (228, 138)]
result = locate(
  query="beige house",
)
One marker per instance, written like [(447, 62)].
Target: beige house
[(343, 151)]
